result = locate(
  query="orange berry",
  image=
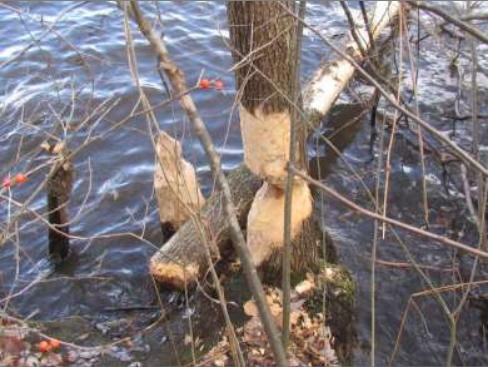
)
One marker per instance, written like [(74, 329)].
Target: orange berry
[(20, 178), (204, 84), (55, 344), (219, 85), (6, 182), (44, 347)]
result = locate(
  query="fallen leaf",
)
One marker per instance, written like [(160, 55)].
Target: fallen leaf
[(250, 309)]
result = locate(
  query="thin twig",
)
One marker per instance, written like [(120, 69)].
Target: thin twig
[(286, 286)]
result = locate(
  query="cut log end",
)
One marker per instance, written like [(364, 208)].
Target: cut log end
[(174, 275)]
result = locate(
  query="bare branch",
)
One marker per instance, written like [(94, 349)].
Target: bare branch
[(459, 23)]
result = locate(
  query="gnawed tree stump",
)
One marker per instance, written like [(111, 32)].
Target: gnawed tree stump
[(182, 260), (264, 38), (175, 184)]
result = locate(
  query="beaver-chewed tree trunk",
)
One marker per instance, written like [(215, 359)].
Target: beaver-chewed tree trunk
[(183, 258), (263, 37)]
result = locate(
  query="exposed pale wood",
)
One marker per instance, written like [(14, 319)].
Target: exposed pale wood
[(265, 222), (266, 142), (264, 39), (262, 36), (175, 183)]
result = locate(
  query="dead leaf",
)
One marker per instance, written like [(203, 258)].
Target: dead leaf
[(305, 288), (250, 309)]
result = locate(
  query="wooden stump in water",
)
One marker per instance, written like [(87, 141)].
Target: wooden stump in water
[(59, 187)]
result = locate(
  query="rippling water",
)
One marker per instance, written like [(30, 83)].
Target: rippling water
[(66, 58)]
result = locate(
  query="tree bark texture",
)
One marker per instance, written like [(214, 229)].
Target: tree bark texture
[(264, 40), (262, 35)]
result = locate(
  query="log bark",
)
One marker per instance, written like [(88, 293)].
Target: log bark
[(182, 260), (332, 78)]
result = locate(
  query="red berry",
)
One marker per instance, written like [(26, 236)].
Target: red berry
[(20, 178), (219, 85), (6, 182), (204, 84), (55, 344), (44, 347)]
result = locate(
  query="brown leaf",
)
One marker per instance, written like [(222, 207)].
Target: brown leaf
[(250, 309), (305, 288)]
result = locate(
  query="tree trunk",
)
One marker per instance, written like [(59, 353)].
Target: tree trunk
[(175, 184), (263, 35)]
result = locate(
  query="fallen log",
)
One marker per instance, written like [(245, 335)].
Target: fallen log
[(183, 258), (332, 78)]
